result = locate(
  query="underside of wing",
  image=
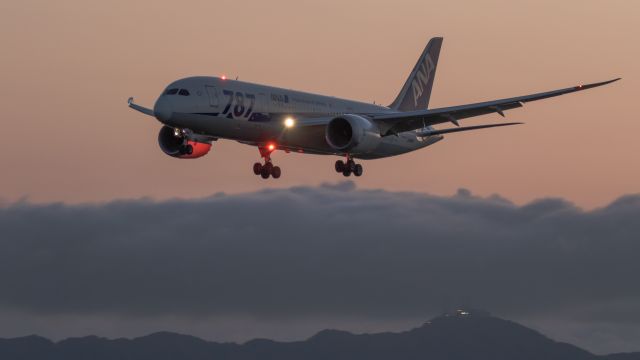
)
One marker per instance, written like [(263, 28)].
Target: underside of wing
[(307, 135), (313, 121)]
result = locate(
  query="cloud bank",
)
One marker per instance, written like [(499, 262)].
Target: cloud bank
[(330, 251)]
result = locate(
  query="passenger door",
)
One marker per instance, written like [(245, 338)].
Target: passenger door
[(212, 93)]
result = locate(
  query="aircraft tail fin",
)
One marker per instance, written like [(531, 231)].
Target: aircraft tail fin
[(416, 92)]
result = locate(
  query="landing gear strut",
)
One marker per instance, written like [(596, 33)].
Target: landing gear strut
[(349, 167), (267, 169)]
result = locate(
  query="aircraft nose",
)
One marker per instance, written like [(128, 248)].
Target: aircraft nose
[(162, 109)]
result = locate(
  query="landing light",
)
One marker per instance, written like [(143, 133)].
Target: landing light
[(289, 122)]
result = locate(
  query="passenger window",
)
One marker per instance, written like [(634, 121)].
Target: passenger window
[(172, 91), (184, 92)]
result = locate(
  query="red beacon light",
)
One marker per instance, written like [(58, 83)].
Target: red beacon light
[(223, 77), (267, 149)]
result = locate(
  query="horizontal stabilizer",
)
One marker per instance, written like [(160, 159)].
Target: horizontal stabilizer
[(464, 128)]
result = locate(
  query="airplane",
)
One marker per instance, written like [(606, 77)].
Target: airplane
[(197, 111)]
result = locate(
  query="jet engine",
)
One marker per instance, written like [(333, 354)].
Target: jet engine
[(352, 134), (178, 144)]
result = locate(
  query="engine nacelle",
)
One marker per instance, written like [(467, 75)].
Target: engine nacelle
[(180, 146), (353, 134)]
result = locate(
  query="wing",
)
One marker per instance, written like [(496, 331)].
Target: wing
[(428, 132), (139, 108), (395, 123), (307, 136)]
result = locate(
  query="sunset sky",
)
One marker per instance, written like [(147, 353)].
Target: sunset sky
[(69, 66), (102, 233)]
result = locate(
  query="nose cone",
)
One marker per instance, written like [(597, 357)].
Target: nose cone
[(162, 109)]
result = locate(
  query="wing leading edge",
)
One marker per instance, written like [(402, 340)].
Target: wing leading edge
[(391, 124)]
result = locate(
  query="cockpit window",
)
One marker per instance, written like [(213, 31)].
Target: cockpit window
[(172, 91), (184, 92)]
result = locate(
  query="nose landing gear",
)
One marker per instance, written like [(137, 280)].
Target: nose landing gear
[(348, 168), (268, 169), (186, 149)]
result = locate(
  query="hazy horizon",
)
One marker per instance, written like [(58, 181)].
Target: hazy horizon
[(229, 267)]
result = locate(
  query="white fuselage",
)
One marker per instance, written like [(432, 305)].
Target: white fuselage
[(255, 115)]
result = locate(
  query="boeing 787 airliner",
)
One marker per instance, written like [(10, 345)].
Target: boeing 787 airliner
[(197, 111)]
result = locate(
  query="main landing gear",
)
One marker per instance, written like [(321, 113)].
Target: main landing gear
[(348, 168), (268, 169)]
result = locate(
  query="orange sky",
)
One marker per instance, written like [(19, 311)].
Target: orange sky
[(68, 67)]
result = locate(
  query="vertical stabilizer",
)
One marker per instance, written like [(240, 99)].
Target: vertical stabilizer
[(416, 92)]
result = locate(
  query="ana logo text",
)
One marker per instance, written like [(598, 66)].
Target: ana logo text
[(422, 78)]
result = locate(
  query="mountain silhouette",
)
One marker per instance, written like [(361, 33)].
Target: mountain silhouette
[(459, 336)]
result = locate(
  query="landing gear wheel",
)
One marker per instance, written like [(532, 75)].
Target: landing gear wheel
[(358, 170), (188, 149), (267, 169), (257, 168), (276, 172), (351, 165), (264, 173)]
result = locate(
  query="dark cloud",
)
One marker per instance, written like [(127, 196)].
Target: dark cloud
[(328, 251)]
